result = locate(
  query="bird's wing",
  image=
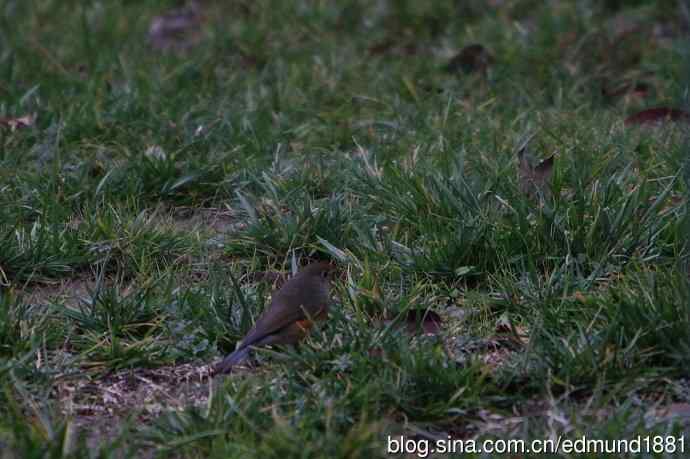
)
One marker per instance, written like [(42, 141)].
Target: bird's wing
[(287, 306)]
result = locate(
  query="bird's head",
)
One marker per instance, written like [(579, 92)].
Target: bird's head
[(324, 269)]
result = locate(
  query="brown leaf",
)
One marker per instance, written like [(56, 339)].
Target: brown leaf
[(534, 181), (471, 58), (657, 116), (17, 123)]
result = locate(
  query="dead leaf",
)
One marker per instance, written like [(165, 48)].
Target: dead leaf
[(534, 181), (177, 30), (657, 116), (17, 123), (470, 59)]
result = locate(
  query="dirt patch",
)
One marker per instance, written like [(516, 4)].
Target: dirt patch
[(212, 220), (64, 291), (100, 407)]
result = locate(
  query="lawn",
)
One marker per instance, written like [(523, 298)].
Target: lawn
[(503, 185)]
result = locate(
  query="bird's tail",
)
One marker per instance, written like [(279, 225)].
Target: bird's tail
[(225, 366)]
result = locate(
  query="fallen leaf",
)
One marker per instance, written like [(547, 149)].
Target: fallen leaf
[(534, 180), (17, 123), (657, 116), (471, 58)]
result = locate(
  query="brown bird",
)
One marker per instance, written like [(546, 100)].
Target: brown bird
[(289, 317)]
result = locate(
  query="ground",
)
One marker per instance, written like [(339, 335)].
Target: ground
[(503, 185)]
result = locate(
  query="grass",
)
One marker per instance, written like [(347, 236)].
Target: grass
[(154, 184)]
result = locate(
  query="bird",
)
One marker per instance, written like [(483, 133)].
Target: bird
[(290, 315)]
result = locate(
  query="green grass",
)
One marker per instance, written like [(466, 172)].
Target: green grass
[(154, 183)]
